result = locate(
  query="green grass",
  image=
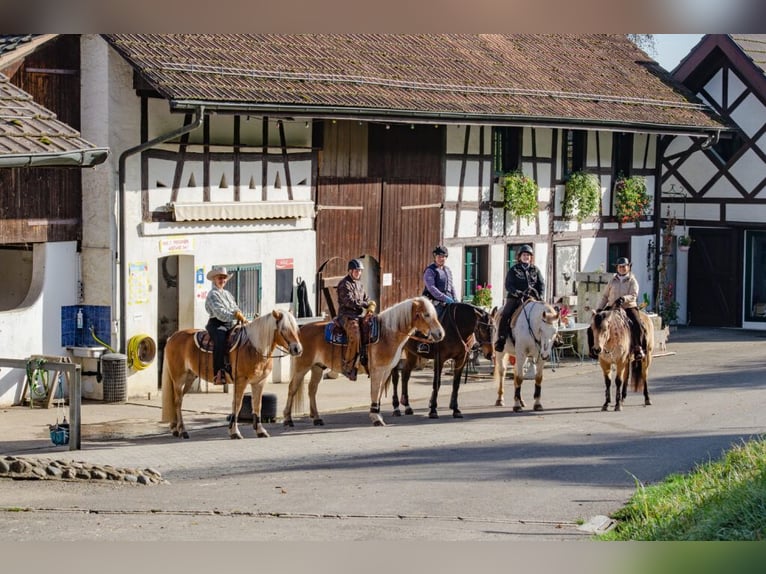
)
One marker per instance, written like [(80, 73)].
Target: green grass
[(719, 500)]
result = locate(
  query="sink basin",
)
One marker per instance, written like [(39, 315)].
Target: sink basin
[(89, 352)]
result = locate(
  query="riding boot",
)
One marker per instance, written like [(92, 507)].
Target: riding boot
[(638, 353), (500, 344)]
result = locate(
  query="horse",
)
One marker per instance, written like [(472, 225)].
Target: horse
[(612, 344), (464, 326), (251, 361), (535, 329), (396, 324)]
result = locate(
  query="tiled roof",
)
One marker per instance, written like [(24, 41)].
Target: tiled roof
[(9, 42), (31, 136), (587, 80), (754, 45)]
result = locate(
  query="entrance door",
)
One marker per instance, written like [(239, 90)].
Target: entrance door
[(714, 274)]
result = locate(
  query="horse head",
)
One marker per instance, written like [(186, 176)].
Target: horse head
[(483, 332), (548, 330), (599, 325), (425, 319), (286, 334)]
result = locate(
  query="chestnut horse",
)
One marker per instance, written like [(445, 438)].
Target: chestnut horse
[(396, 324), (251, 362), (612, 343), (535, 329), (465, 325)]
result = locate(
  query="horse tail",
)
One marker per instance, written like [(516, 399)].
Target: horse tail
[(637, 375), (168, 391)]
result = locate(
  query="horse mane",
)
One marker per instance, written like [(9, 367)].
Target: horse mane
[(260, 331), (400, 314)]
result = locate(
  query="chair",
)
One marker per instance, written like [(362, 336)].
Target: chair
[(566, 341)]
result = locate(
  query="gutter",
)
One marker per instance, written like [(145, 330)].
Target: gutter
[(78, 158), (200, 116), (384, 115)]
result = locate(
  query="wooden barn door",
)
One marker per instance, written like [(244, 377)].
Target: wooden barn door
[(347, 226), (714, 274), (410, 229)]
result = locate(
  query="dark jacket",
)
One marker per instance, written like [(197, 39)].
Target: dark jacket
[(521, 278), (352, 299)]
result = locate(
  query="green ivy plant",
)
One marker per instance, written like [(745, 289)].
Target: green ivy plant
[(632, 200), (581, 196), (519, 194)]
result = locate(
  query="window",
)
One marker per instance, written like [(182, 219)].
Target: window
[(475, 270), (566, 264), (622, 154), (245, 285), (506, 149), (573, 151), (755, 276)]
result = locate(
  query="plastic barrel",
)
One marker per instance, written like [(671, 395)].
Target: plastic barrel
[(114, 367), (268, 408)]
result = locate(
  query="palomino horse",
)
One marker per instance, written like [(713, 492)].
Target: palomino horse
[(396, 324), (464, 325), (251, 362), (535, 329), (611, 341)]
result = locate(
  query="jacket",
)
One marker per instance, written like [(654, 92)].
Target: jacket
[(521, 278), (352, 299), (625, 286)]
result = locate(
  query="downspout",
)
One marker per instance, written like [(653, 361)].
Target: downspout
[(200, 115)]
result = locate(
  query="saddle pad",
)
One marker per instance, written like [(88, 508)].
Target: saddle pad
[(370, 331), (334, 334), (205, 343)]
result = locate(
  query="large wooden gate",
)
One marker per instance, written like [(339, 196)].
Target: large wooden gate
[(396, 222)]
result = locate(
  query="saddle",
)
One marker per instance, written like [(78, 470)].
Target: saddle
[(235, 336), (369, 331)]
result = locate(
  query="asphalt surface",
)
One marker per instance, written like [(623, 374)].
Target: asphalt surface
[(494, 475)]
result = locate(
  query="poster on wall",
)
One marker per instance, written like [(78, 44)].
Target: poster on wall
[(200, 287), (138, 283)]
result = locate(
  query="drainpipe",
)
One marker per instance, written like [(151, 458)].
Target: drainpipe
[(200, 115)]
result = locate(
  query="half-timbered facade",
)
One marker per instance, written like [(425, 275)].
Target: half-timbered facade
[(717, 195)]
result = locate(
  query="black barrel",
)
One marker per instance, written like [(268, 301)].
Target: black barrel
[(268, 408)]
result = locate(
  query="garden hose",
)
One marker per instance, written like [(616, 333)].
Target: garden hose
[(141, 352), (93, 334)]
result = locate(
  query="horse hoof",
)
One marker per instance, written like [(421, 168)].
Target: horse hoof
[(538, 407), (517, 409), (176, 433), (397, 413), (318, 423), (499, 403), (409, 411), (378, 424), (605, 407), (647, 403), (617, 408), (288, 423), (456, 414), (184, 434), (433, 415), (262, 434), (235, 436)]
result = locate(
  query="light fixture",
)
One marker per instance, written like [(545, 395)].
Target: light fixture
[(412, 126), (306, 125), (388, 127)]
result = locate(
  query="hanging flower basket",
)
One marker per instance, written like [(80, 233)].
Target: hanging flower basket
[(519, 195), (684, 243), (632, 200), (581, 196)]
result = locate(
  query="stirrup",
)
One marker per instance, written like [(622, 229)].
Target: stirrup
[(500, 344), (424, 348)]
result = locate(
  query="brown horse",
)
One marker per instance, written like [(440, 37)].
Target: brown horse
[(611, 341), (465, 325), (396, 324), (251, 362)]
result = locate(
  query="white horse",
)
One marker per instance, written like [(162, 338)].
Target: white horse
[(534, 331)]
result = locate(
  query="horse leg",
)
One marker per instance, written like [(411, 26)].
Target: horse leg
[(377, 378), (316, 378), (607, 387), (257, 393), (644, 375), (538, 385), (432, 414), (499, 373), (395, 395), (518, 403), (458, 372), (236, 405), (182, 385)]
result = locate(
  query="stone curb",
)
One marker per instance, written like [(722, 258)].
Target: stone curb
[(41, 469)]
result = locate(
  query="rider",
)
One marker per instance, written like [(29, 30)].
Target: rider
[(352, 301), (439, 286), (224, 313), (523, 279), (622, 291)]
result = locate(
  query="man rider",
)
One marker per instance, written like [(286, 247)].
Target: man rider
[(523, 279), (352, 302)]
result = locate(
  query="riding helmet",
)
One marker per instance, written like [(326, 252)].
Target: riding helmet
[(441, 250), (355, 264), (623, 261), (526, 249)]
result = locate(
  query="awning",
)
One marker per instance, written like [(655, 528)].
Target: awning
[(217, 211)]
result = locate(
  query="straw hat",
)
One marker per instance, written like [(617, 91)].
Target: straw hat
[(216, 271)]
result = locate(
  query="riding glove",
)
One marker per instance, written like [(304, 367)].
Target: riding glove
[(240, 317), (449, 300)]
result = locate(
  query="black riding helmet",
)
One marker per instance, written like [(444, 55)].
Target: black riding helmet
[(525, 249), (441, 250), (623, 261), (355, 264)]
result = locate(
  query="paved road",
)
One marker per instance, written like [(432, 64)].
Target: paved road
[(494, 475)]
